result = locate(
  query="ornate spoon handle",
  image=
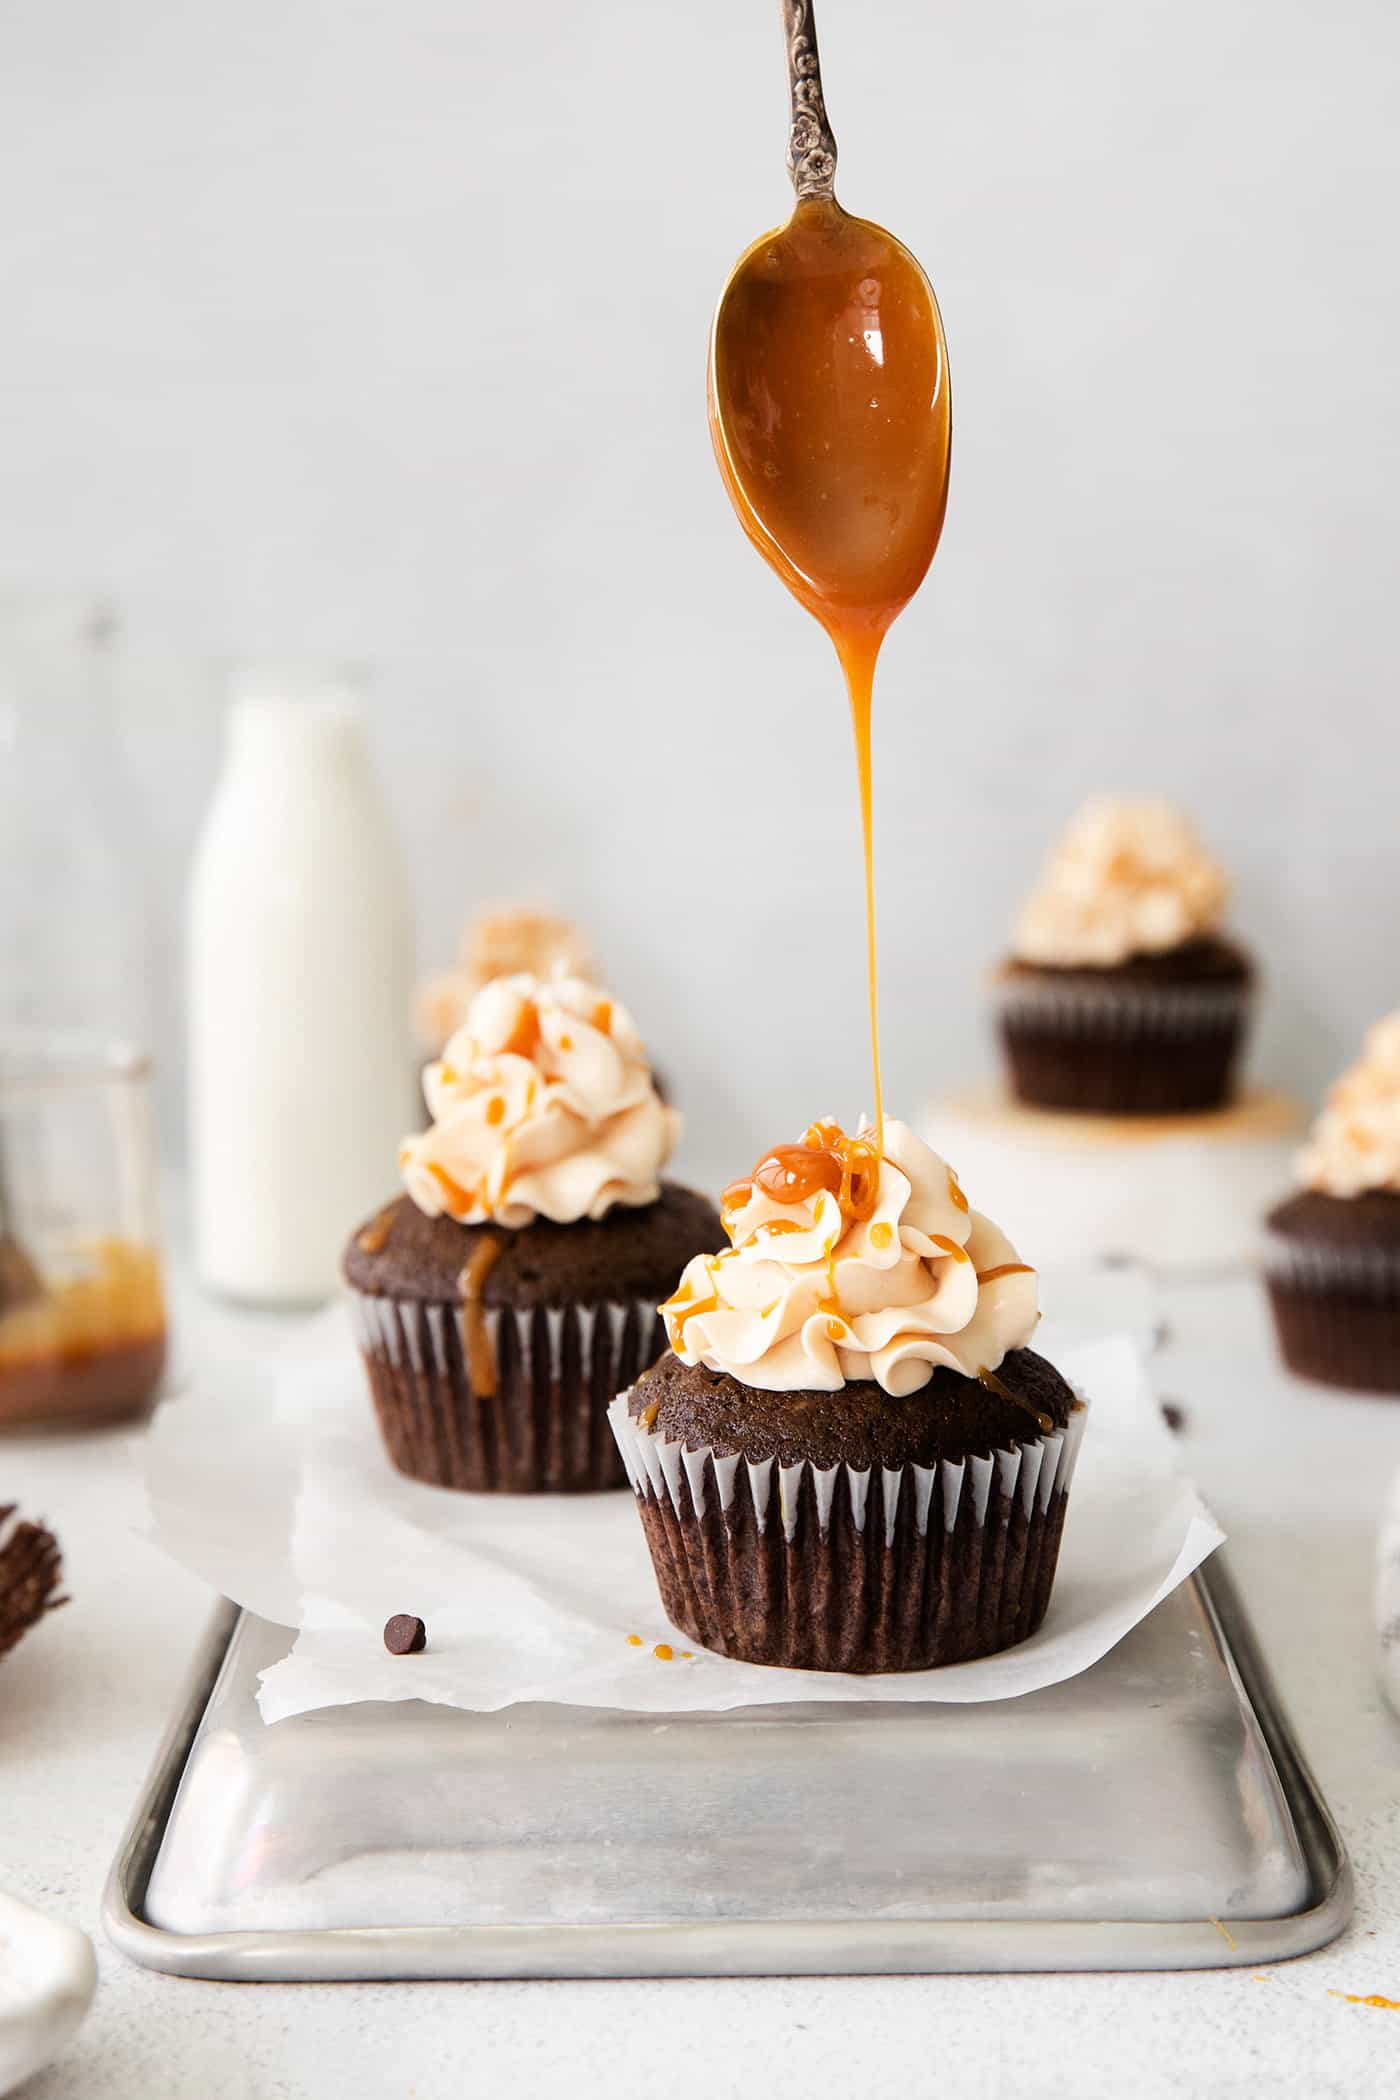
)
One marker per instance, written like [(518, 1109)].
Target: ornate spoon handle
[(811, 150)]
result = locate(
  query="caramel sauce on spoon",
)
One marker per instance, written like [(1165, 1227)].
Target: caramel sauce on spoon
[(831, 421)]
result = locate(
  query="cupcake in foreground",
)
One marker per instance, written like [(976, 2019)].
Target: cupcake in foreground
[(1333, 1257), (502, 1302), (1122, 996), (849, 1459)]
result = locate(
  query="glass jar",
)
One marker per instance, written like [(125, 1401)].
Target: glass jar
[(71, 943), (82, 1310)]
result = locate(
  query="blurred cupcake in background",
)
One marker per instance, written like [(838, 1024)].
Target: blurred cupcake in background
[(1122, 996), (1333, 1253), (512, 1291), (505, 941)]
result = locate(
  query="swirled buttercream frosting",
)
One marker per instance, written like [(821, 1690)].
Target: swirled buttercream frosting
[(1355, 1143), (505, 943), (1129, 877), (844, 1266), (543, 1105)]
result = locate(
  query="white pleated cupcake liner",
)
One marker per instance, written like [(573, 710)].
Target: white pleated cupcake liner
[(543, 1428), (835, 1601), (1031, 1472)]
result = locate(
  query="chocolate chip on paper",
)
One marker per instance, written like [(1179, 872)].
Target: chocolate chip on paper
[(405, 1635)]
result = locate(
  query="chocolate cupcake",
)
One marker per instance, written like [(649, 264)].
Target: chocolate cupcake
[(1123, 996), (504, 1300), (1333, 1255), (849, 1459)]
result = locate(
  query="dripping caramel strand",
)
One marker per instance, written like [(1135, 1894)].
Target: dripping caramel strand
[(476, 1337), (998, 1386), (375, 1236)]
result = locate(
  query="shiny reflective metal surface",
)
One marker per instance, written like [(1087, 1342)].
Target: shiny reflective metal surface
[(1152, 1813)]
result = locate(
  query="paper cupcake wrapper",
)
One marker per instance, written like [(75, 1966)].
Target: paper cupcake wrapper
[(1322, 1267), (1121, 1049), (543, 1429), (1125, 1009), (1336, 1312), (846, 1567)]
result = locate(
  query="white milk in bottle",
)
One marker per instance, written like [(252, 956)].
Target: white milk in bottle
[(300, 971)]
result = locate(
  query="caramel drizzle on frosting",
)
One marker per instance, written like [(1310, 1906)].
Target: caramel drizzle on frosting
[(682, 1307), (848, 1168), (459, 1201), (525, 1035), (774, 1317)]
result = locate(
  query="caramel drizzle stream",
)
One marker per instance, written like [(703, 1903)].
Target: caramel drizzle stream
[(857, 655)]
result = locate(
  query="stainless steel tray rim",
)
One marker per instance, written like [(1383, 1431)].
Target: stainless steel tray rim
[(746, 1947)]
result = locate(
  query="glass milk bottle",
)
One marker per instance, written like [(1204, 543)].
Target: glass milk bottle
[(300, 974)]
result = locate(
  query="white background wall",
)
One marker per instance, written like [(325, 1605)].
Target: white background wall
[(378, 330)]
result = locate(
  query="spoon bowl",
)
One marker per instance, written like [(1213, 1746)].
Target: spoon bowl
[(830, 412), (830, 408)]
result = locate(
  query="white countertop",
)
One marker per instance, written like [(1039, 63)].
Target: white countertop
[(1297, 1477)]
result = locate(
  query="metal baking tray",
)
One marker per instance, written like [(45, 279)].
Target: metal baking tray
[(1153, 1813)]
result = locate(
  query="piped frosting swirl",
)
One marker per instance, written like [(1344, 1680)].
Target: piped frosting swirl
[(875, 1268), (512, 941), (543, 1105), (1355, 1143), (1129, 877)]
